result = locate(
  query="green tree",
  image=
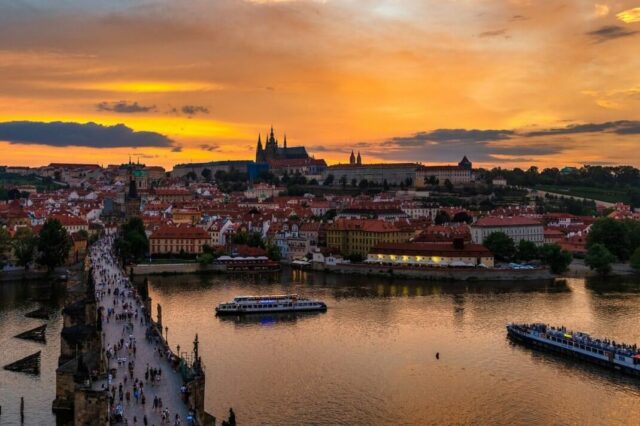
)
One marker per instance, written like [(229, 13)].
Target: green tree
[(24, 246), (206, 174), (191, 175), (205, 259), (613, 234), (241, 237), (5, 245), (501, 245), (254, 239), (599, 258), (527, 250), (54, 244), (635, 259), (442, 217), (462, 217), (273, 252), (329, 180), (343, 181), (448, 185), (557, 259), (132, 243), (431, 180)]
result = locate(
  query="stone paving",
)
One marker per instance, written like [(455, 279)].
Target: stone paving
[(108, 276)]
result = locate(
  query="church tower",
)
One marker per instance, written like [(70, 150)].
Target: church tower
[(259, 151), (359, 160), (271, 146), (352, 158)]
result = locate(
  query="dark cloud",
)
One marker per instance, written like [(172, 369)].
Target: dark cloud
[(194, 109), (209, 147), (124, 107), (91, 135), (621, 127), (177, 148), (451, 136), (448, 145), (610, 32), (518, 18), (494, 33)]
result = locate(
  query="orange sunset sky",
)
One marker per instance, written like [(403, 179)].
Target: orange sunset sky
[(506, 82)]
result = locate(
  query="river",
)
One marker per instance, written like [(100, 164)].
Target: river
[(370, 359), (16, 299)]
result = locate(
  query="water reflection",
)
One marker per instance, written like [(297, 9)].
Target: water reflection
[(370, 359), (17, 299), (269, 318), (345, 287)]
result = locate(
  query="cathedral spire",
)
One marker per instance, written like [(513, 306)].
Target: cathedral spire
[(352, 158), (359, 160), (285, 141)]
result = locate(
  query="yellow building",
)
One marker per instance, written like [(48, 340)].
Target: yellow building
[(177, 239), (457, 254), (358, 236)]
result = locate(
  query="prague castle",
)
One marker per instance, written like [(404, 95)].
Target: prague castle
[(272, 151)]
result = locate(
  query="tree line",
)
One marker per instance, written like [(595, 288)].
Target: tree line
[(49, 248)]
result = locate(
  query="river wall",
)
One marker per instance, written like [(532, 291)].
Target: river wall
[(443, 274)]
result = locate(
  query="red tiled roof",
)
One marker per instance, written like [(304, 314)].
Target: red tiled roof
[(367, 225), (497, 221), (179, 232)]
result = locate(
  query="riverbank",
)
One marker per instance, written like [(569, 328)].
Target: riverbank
[(196, 268), (578, 269), (438, 274)]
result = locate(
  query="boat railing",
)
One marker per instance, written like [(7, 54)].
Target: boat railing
[(581, 338)]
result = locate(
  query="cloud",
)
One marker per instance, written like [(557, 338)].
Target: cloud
[(601, 10), (60, 134), (209, 147), (177, 148), (620, 127), (194, 109), (629, 16), (451, 136), (610, 32), (124, 107), (494, 33)]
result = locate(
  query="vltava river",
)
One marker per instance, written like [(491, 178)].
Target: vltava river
[(370, 359)]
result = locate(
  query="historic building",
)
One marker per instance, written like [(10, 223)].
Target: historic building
[(178, 239), (437, 175), (358, 236), (272, 151), (132, 201), (457, 254), (517, 228)]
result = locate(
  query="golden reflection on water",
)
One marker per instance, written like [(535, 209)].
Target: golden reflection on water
[(370, 359)]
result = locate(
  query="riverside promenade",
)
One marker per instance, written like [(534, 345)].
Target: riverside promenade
[(142, 371)]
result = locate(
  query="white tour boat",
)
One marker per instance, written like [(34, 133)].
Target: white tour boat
[(268, 304)]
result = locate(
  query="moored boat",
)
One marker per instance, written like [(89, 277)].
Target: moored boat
[(268, 304), (604, 352)]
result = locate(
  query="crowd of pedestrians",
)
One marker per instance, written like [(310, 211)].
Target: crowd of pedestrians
[(138, 390)]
